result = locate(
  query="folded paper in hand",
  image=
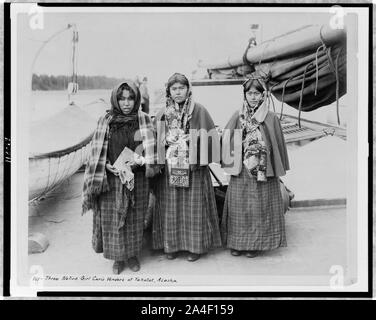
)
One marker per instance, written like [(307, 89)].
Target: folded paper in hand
[(123, 164)]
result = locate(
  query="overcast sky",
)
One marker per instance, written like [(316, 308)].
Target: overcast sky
[(149, 44)]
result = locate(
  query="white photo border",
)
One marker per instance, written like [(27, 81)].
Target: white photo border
[(20, 284)]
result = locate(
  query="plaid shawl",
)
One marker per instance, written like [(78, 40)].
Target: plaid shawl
[(95, 179), (148, 139)]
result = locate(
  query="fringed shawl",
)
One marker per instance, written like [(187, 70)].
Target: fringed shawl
[(271, 131), (206, 150)]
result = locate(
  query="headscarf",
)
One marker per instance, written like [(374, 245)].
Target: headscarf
[(119, 119), (258, 83), (176, 78)]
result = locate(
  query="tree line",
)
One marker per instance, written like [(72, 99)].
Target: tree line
[(60, 82)]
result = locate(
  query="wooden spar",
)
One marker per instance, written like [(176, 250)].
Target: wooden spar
[(304, 39), (217, 82)]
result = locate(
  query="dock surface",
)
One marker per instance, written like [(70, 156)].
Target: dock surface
[(316, 239)]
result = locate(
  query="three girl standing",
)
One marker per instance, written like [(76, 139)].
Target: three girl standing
[(185, 217)]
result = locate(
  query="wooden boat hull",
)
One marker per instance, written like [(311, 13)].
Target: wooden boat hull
[(47, 172), (60, 145)]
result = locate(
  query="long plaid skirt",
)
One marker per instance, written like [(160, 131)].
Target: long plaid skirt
[(253, 214), (124, 242), (186, 219)]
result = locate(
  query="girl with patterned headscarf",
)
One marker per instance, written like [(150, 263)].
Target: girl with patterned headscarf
[(253, 214), (119, 198), (186, 216)]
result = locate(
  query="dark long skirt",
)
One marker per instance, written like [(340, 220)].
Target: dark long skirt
[(125, 242), (186, 219), (253, 214)]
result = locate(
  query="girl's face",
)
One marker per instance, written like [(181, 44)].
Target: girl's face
[(126, 102), (253, 96), (178, 92)]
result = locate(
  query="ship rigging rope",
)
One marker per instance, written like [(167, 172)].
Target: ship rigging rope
[(47, 41), (301, 92), (74, 54), (68, 164), (245, 60), (283, 95), (334, 68), (322, 47)]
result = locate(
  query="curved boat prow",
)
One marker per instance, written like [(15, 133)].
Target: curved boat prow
[(59, 147)]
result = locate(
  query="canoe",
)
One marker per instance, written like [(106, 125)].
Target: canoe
[(59, 146), (48, 171)]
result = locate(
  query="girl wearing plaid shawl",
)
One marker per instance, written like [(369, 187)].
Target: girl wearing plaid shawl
[(185, 217), (253, 212), (118, 212)]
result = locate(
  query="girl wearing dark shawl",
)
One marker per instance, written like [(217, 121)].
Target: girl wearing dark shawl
[(119, 208), (186, 216), (254, 154)]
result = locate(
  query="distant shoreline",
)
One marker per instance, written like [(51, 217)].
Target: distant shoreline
[(60, 82), (64, 90)]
